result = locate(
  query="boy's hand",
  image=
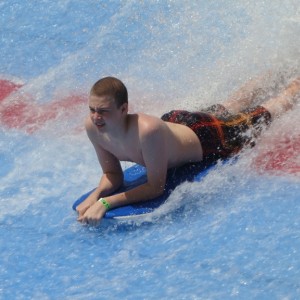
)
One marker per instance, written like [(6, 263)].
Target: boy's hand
[(86, 204), (93, 215)]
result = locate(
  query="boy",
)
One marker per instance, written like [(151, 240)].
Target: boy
[(178, 138)]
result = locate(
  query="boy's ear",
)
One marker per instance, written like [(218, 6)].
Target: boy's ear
[(124, 107)]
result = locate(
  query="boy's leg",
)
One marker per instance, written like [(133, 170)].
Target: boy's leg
[(284, 101), (251, 92)]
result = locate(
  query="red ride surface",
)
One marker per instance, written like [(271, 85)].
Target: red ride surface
[(282, 155), (26, 114), (7, 87)]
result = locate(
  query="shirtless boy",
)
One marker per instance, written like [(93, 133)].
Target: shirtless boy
[(178, 138)]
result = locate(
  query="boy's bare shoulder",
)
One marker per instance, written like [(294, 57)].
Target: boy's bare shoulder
[(149, 124), (149, 121), (88, 124), (90, 128), (152, 131)]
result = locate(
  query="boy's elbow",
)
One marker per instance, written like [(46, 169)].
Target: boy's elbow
[(115, 178), (161, 190), (158, 191)]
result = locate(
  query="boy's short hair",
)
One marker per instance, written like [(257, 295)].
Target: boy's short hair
[(111, 86)]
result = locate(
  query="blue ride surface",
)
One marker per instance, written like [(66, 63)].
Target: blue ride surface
[(234, 235), (136, 175)]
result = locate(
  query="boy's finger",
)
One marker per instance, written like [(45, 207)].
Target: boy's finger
[(80, 218)]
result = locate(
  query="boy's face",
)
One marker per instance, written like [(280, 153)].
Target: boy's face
[(104, 112)]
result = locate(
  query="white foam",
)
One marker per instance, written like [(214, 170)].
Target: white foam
[(173, 69)]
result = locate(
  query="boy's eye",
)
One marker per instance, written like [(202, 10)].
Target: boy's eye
[(99, 111)]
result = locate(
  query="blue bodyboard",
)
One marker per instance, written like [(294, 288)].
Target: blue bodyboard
[(136, 175)]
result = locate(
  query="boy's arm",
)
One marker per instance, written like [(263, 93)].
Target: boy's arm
[(156, 163), (155, 159), (111, 179)]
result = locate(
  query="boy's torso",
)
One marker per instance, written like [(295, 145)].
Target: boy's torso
[(180, 142)]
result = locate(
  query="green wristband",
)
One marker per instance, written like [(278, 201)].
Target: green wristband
[(105, 203)]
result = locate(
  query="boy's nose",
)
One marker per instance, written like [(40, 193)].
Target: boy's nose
[(98, 116)]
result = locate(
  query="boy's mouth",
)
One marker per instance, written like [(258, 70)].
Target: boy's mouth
[(99, 125)]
